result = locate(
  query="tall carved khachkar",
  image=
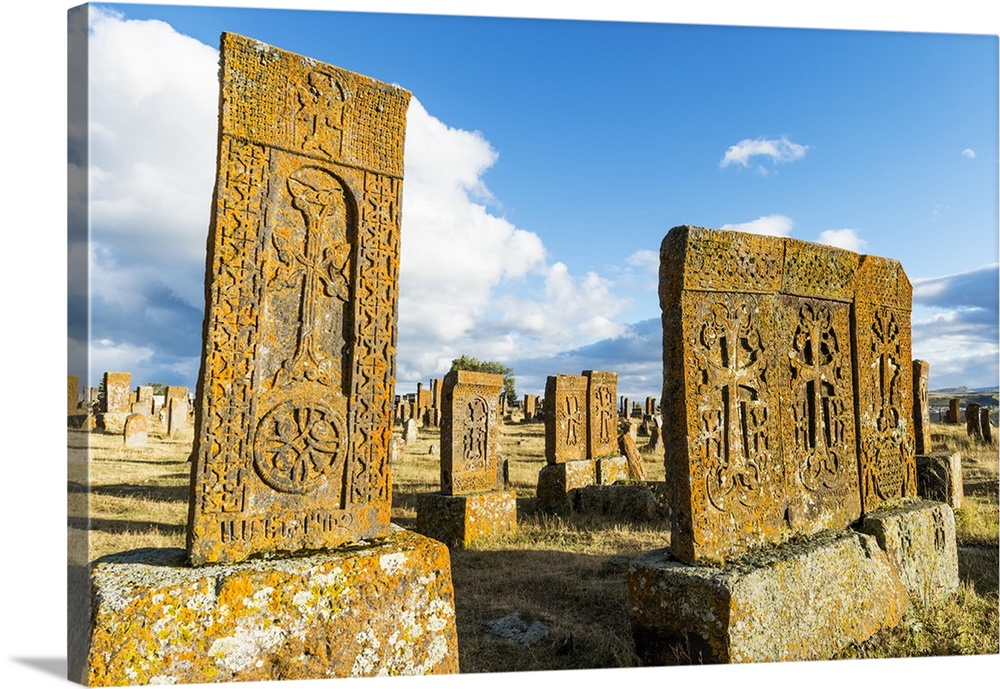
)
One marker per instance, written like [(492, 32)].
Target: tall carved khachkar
[(787, 380), (788, 434), (921, 408), (294, 417), (474, 501)]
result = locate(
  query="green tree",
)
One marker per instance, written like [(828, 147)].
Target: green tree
[(470, 363)]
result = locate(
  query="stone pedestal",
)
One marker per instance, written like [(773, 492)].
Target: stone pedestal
[(559, 484), (382, 609), (459, 520), (799, 601)]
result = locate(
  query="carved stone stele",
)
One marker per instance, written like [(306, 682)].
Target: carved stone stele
[(294, 413)]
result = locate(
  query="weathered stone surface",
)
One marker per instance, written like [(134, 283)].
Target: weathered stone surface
[(460, 520), (72, 394), (803, 601), (177, 417), (135, 431), (765, 339), (117, 394), (984, 425), (556, 483), (919, 539), (602, 416), (939, 478), (640, 502), (636, 467), (921, 408), (470, 433), (530, 402), (384, 608), (565, 418), (972, 419), (952, 416), (294, 414), (112, 422), (410, 434), (613, 469)]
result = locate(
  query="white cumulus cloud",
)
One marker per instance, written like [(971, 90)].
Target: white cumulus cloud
[(843, 239), (774, 225), (782, 150)]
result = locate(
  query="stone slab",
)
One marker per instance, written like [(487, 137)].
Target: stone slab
[(293, 419), (939, 477), (557, 483), (638, 502), (796, 602), (602, 414), (381, 609), (565, 407), (919, 539), (612, 469), (470, 433), (460, 520), (112, 422)]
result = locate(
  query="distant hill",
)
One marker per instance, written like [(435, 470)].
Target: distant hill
[(963, 390)]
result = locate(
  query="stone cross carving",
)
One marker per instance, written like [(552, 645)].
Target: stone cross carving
[(293, 420), (787, 403)]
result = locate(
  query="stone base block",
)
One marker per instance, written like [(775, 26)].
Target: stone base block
[(939, 477), (112, 421), (919, 539), (632, 501), (383, 609), (85, 422), (795, 602), (612, 469), (557, 483), (459, 520)]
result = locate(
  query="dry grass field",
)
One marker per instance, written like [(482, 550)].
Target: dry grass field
[(566, 573)]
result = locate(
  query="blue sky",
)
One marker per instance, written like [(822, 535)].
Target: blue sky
[(545, 161)]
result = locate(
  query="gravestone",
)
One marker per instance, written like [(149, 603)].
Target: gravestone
[(144, 396), (626, 410), (301, 320), (581, 437), (602, 417), (135, 433), (972, 421), (953, 415), (293, 426), (473, 501), (788, 437), (177, 416), (436, 393), (984, 425), (116, 403), (410, 431), (529, 407), (921, 408)]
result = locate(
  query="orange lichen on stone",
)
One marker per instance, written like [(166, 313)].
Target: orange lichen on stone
[(786, 395), (789, 603), (378, 609), (294, 414), (460, 520)]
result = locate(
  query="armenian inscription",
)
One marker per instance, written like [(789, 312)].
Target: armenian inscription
[(764, 376), (470, 433), (294, 410)]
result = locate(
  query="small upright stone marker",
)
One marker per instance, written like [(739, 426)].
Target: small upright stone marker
[(972, 421), (473, 501), (135, 434), (953, 415), (117, 401), (984, 425), (177, 417)]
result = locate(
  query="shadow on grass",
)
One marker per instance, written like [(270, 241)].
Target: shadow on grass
[(579, 598), (125, 490), (120, 526)]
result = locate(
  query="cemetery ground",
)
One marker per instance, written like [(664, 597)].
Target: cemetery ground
[(550, 596)]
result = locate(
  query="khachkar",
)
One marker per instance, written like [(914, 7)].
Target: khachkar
[(581, 437), (294, 409), (788, 413), (474, 500)]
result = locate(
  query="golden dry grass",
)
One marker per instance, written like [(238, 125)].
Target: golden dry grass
[(567, 572)]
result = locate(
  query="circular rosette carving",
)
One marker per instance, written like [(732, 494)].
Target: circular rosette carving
[(296, 446)]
